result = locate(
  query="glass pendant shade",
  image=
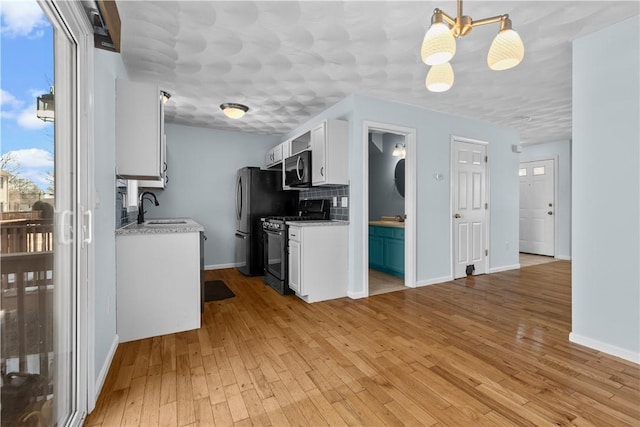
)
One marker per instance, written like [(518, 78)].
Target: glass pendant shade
[(398, 151), (440, 78), (506, 51), (439, 45)]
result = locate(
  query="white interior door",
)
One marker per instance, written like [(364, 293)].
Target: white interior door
[(537, 210), (469, 207)]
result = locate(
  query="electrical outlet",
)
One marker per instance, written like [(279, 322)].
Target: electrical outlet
[(335, 201), (345, 202)]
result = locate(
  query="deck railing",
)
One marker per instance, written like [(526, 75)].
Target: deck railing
[(26, 313), (26, 235)]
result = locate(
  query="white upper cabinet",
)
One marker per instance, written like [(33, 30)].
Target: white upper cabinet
[(329, 150), (274, 156), (139, 130), (164, 177)]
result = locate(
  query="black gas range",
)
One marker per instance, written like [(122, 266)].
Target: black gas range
[(276, 244)]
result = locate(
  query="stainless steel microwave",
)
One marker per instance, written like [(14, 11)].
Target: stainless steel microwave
[(297, 170)]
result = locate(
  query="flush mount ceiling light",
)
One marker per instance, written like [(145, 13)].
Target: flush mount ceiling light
[(439, 45), (165, 96), (234, 111)]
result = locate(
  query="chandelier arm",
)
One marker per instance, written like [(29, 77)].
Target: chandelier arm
[(449, 20), (491, 20)]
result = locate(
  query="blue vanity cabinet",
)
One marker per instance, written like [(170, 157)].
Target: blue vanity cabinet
[(386, 249)]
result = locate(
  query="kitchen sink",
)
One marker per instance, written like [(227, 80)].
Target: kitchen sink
[(165, 222)]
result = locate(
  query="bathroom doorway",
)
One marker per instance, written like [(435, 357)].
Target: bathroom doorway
[(390, 209)]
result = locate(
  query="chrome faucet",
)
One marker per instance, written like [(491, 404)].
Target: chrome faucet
[(141, 204)]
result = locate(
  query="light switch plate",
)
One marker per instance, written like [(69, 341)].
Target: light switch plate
[(345, 202)]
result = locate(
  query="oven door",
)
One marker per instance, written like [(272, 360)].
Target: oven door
[(275, 257)]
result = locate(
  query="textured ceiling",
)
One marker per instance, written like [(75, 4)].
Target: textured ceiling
[(288, 61)]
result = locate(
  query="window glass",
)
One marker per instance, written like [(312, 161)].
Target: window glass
[(539, 170), (522, 172)]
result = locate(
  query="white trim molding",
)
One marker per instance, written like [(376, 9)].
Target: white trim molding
[(604, 347), (504, 268), (410, 201), (221, 266), (357, 295), (563, 257), (435, 281), (102, 376)]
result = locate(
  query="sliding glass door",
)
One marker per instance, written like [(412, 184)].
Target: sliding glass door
[(45, 228)]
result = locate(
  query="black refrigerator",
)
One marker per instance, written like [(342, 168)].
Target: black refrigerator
[(258, 194)]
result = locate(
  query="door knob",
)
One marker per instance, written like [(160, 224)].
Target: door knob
[(457, 216), (549, 213)]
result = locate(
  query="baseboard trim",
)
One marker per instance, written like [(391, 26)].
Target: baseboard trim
[(356, 295), (605, 348), (105, 367), (221, 266), (434, 281), (563, 257), (504, 268)]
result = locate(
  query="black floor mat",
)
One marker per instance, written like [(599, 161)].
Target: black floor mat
[(216, 290)]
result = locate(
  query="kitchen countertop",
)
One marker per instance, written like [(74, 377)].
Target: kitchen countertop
[(317, 223), (187, 225), (396, 224)]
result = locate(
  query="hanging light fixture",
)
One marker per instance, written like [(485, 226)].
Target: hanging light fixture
[(234, 111), (165, 96), (399, 151), (440, 78), (45, 107), (439, 45)]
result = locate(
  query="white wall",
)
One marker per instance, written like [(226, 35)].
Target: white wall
[(202, 166), (108, 66), (560, 152), (606, 190)]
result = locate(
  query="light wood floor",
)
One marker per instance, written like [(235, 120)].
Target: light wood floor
[(527, 260), (381, 283), (484, 350)]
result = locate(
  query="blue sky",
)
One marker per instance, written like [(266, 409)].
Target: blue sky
[(26, 59)]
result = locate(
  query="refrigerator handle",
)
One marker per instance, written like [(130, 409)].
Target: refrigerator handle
[(241, 236), (239, 197)]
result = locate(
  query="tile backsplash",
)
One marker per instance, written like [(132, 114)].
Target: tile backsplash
[(337, 212)]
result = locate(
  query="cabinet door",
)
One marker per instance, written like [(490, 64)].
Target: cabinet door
[(318, 154), (139, 130), (295, 267), (164, 178), (376, 251), (394, 255)]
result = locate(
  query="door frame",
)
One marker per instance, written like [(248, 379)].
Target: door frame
[(556, 197), (487, 218), (70, 18), (410, 199)]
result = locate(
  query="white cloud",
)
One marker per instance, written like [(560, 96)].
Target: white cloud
[(30, 158), (27, 119), (8, 100), (22, 18)]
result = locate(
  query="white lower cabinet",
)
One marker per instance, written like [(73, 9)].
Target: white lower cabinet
[(158, 284), (318, 260)]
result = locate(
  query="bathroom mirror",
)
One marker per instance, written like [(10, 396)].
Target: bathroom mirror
[(399, 177)]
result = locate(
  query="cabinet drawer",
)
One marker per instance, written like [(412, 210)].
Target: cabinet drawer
[(294, 233), (384, 231), (397, 233)]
